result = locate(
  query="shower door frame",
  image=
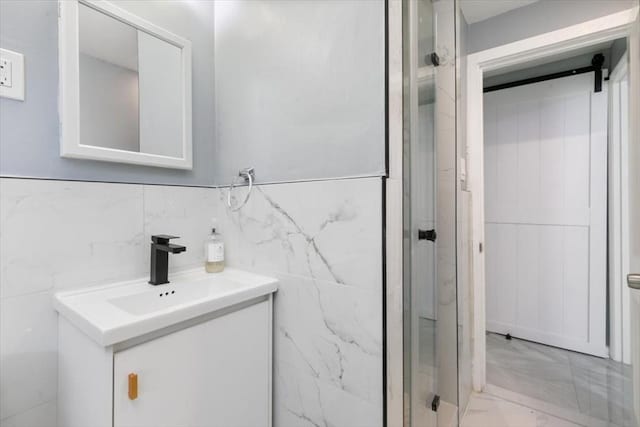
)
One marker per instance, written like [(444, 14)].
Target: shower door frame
[(556, 42), (396, 401), (393, 211)]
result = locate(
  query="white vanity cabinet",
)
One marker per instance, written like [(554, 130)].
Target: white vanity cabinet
[(209, 370), (216, 373)]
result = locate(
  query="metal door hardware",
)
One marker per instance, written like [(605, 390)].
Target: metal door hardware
[(427, 235), (435, 403)]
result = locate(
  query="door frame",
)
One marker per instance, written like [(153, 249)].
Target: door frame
[(607, 28), (620, 337)]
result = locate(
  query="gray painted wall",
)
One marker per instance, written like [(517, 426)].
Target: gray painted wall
[(29, 144), (538, 18), (300, 89)]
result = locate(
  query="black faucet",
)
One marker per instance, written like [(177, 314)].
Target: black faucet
[(160, 249)]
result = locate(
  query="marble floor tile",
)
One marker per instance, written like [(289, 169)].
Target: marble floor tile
[(485, 410), (545, 420), (535, 370), (545, 407), (605, 395), (488, 411), (593, 388), (537, 384)]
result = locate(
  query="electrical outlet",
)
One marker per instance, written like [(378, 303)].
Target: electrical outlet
[(11, 75), (5, 72)]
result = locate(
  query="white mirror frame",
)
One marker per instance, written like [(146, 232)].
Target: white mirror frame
[(69, 98)]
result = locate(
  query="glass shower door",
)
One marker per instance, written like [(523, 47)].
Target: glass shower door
[(430, 317)]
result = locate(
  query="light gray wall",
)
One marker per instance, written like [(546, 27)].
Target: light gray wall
[(106, 98), (300, 89), (29, 144), (538, 18)]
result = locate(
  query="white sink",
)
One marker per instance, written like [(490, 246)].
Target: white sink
[(115, 313)]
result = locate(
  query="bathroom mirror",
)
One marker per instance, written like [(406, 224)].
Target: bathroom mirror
[(125, 87)]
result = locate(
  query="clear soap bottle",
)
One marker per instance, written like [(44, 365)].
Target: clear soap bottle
[(214, 249)]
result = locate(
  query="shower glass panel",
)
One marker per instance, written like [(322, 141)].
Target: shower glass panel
[(430, 317)]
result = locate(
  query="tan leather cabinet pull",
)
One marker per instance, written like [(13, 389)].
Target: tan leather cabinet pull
[(133, 386)]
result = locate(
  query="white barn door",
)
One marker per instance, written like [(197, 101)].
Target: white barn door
[(546, 212)]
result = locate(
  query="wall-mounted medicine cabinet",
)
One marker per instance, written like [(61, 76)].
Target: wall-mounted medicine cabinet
[(125, 87)]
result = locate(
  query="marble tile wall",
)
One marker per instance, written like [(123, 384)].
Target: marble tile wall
[(321, 239), (58, 235)]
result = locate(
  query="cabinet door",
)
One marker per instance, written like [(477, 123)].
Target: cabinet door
[(217, 373)]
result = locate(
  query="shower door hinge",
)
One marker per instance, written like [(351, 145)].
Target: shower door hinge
[(433, 58), (435, 403), (427, 235)]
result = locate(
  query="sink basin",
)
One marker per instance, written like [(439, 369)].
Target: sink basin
[(151, 301), (122, 311)]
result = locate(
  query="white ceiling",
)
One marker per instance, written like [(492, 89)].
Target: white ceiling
[(479, 10)]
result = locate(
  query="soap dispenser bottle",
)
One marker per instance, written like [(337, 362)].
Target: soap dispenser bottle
[(214, 249)]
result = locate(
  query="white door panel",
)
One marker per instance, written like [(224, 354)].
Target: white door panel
[(545, 201)]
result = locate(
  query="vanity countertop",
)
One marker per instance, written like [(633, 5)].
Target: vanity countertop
[(122, 311)]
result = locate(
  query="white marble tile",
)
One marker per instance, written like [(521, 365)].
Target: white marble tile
[(323, 241), (40, 416), (62, 234), (302, 400), (28, 353), (180, 211), (330, 230), (331, 332), (322, 238)]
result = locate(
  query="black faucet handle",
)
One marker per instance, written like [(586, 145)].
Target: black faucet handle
[(163, 239)]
